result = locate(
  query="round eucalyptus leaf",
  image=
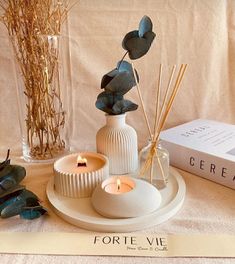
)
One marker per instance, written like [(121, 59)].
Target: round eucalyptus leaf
[(138, 42), (13, 209), (10, 197), (17, 203), (6, 171), (6, 162), (126, 66), (102, 104), (123, 106), (33, 213), (105, 101), (130, 35), (10, 176), (7, 202), (149, 36), (145, 25), (137, 47), (108, 77), (121, 84), (11, 192), (111, 97)]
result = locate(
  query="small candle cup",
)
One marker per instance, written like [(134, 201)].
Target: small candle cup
[(136, 198), (76, 181), (117, 185)]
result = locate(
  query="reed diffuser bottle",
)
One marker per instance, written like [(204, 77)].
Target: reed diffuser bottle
[(157, 158)]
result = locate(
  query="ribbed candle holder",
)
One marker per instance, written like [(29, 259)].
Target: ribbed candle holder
[(79, 182)]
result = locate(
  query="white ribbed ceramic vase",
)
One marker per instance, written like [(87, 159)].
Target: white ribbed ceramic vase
[(118, 141)]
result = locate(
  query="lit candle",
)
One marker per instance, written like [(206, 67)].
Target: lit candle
[(117, 186), (76, 175), (123, 197), (81, 162)]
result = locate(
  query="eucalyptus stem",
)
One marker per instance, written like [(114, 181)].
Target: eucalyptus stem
[(122, 59)]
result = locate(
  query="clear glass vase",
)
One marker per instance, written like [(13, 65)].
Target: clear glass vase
[(44, 96), (154, 164)]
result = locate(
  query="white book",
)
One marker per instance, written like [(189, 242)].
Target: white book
[(203, 147)]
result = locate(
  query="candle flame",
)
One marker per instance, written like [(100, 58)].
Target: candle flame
[(81, 162), (118, 184)]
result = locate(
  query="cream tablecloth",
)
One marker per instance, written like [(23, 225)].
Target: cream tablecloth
[(209, 208), (200, 33)]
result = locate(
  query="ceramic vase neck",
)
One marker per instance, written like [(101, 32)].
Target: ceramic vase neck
[(116, 120)]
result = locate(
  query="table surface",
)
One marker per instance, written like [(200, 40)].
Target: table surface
[(209, 208)]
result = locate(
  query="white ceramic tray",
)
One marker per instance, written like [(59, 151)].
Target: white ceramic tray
[(80, 212)]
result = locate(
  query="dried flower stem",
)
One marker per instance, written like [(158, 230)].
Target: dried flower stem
[(34, 27)]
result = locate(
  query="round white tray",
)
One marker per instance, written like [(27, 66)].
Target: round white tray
[(80, 212)]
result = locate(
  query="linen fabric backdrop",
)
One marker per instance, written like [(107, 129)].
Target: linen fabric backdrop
[(200, 33)]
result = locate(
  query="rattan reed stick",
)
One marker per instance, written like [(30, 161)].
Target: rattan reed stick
[(172, 98), (164, 102), (142, 102), (160, 119), (158, 99)]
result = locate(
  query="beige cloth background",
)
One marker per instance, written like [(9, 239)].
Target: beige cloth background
[(198, 32)]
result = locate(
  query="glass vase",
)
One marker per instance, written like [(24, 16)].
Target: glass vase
[(154, 164), (44, 96)]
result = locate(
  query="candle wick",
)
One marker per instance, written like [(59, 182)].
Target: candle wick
[(81, 164)]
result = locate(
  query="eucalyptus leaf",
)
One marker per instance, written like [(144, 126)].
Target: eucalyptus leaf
[(123, 106), (11, 193), (145, 25), (13, 209), (14, 198), (110, 97), (121, 84), (103, 106), (149, 36), (128, 36), (17, 203), (138, 42), (7, 161), (5, 171), (108, 77), (126, 66), (9, 199), (120, 80), (105, 101), (33, 213), (7, 202), (137, 47), (32, 201), (11, 176)]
